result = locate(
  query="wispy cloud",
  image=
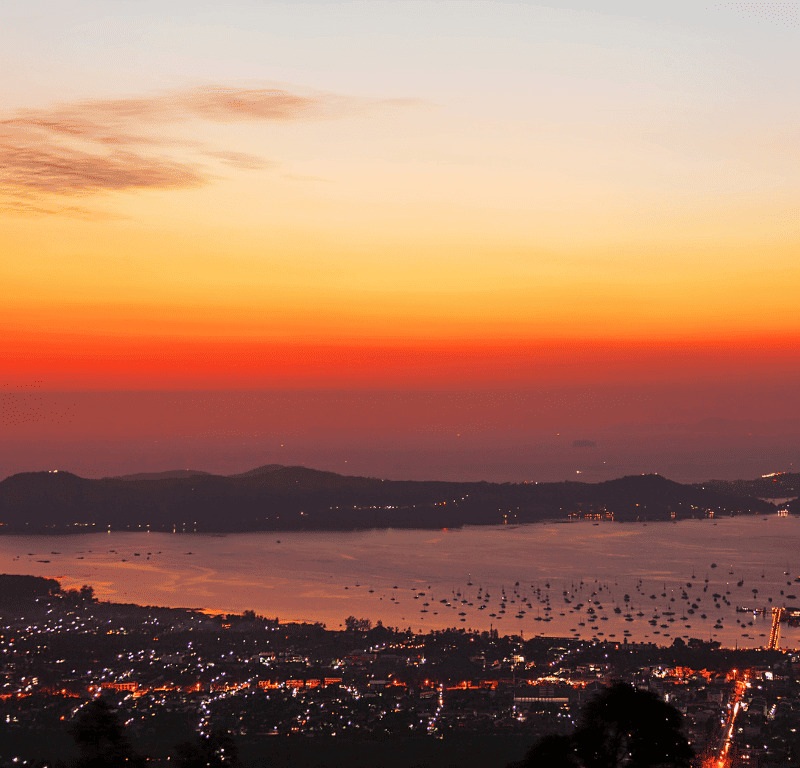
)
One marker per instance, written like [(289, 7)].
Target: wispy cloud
[(44, 165), (240, 160), (23, 205), (111, 145)]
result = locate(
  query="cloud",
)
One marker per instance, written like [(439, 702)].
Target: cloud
[(25, 207), (51, 168), (241, 160), (124, 121), (230, 104), (112, 145)]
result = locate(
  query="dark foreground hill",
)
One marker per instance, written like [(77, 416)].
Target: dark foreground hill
[(298, 498)]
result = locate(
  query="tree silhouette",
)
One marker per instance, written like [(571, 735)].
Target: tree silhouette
[(87, 594), (217, 750), (352, 624), (622, 727), (101, 738), (551, 752)]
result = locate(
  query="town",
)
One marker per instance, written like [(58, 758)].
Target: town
[(279, 690)]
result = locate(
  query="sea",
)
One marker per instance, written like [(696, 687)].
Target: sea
[(712, 579)]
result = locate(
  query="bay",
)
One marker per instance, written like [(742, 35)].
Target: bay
[(426, 579)]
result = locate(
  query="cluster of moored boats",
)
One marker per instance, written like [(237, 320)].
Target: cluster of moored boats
[(695, 607)]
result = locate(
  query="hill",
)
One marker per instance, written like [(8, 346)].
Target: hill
[(777, 485), (162, 475), (259, 470), (22, 590), (300, 498)]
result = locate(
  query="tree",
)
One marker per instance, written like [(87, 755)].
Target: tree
[(624, 726), (101, 738), (217, 750), (352, 624), (551, 752), (87, 594)]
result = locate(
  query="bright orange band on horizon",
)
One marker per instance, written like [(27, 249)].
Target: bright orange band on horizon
[(119, 362)]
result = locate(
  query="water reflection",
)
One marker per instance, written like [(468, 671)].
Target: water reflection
[(615, 581)]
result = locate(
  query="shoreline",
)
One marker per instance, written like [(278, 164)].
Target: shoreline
[(76, 529), (379, 573)]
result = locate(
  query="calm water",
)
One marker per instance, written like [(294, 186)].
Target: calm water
[(381, 575)]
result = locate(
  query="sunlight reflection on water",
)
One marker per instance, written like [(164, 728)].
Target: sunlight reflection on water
[(326, 576)]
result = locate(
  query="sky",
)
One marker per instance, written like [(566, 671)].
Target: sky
[(290, 231)]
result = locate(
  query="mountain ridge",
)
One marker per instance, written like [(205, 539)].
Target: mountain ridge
[(277, 497), (160, 475)]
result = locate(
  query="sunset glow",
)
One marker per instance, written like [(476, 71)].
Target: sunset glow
[(399, 196)]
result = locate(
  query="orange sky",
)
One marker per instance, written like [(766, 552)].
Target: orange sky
[(397, 196), (68, 361)]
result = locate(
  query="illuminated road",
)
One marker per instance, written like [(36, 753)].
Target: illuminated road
[(775, 633), (723, 751)]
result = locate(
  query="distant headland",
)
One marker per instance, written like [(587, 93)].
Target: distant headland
[(277, 497)]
